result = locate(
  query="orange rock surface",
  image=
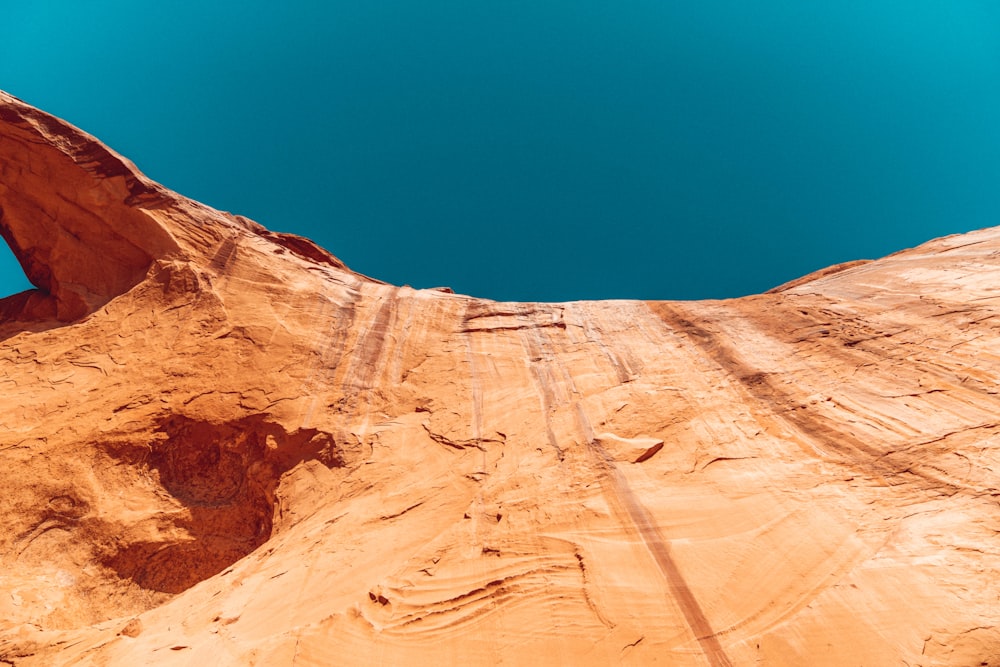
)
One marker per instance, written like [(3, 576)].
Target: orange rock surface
[(222, 447)]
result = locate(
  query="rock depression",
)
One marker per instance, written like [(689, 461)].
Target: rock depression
[(221, 446)]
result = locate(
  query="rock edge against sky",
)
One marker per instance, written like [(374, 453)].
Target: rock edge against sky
[(221, 446)]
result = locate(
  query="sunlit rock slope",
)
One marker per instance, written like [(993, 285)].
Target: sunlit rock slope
[(222, 447)]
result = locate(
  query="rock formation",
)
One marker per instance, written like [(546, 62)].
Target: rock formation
[(221, 446)]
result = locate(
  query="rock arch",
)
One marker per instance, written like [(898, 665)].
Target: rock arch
[(75, 214)]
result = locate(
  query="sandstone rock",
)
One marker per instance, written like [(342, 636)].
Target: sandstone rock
[(634, 450), (220, 446)]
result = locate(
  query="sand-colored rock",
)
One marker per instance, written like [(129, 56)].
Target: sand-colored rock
[(220, 446), (634, 450)]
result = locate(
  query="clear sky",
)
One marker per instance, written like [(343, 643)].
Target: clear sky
[(544, 149)]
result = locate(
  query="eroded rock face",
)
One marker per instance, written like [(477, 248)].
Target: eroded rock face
[(220, 446)]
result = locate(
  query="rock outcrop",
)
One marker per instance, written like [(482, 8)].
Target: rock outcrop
[(221, 446)]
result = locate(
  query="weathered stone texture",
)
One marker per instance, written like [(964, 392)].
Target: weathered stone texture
[(221, 446)]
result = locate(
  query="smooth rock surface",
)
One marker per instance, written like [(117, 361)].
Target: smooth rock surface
[(220, 446)]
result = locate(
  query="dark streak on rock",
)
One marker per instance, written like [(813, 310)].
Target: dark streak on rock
[(814, 428)]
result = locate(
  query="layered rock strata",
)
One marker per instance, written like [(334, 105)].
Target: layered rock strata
[(221, 446)]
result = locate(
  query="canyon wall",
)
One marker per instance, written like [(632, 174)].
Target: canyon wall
[(221, 446)]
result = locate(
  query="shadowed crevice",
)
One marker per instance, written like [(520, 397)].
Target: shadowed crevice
[(225, 476)]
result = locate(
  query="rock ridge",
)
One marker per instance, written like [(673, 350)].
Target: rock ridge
[(222, 446)]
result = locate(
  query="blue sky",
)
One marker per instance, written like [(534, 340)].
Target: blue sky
[(549, 150)]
